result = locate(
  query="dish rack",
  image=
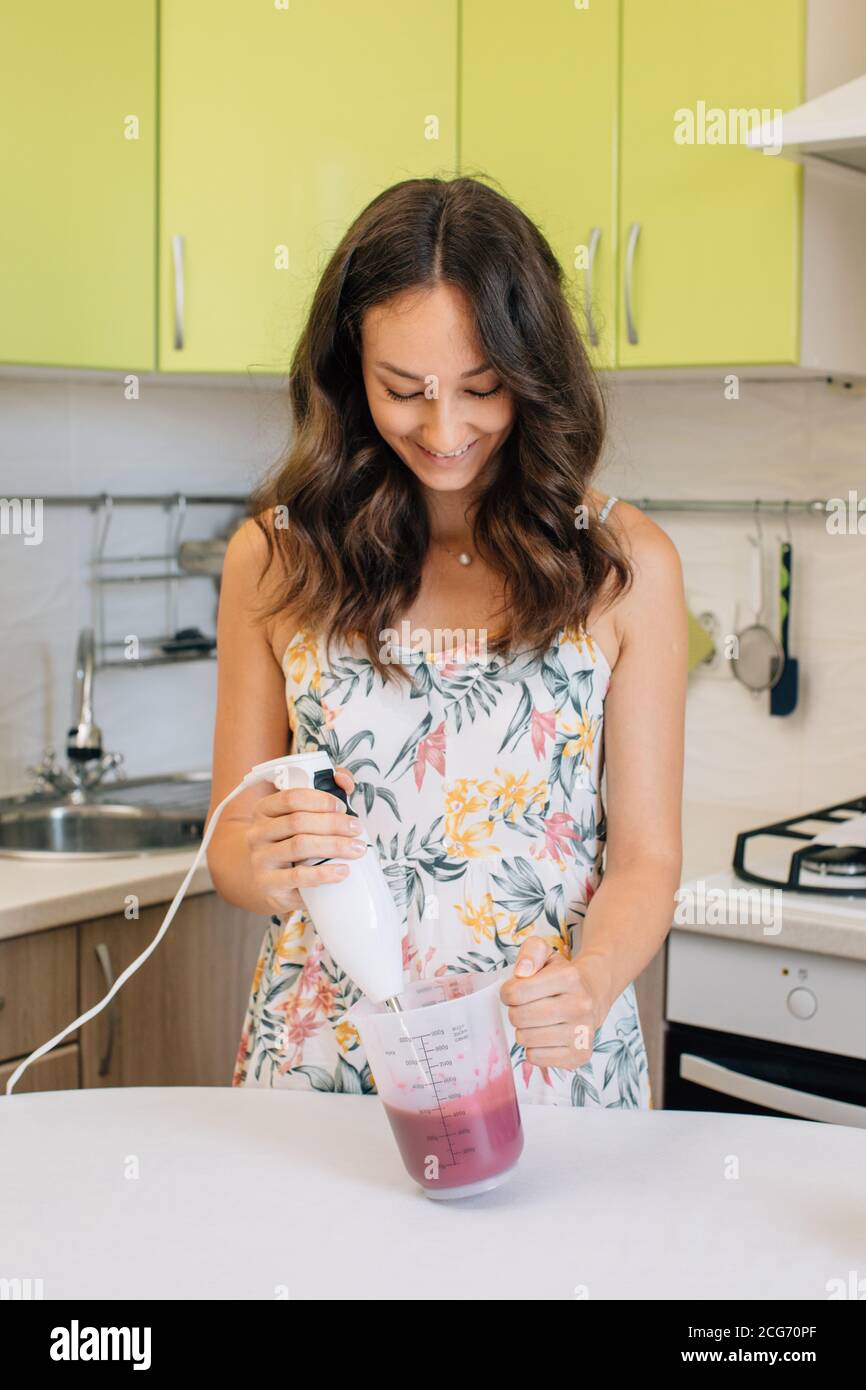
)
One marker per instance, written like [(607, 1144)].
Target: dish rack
[(180, 561)]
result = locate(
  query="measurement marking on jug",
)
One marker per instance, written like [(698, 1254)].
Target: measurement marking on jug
[(421, 1038)]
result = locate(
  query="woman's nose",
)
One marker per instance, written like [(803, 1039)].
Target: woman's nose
[(444, 430)]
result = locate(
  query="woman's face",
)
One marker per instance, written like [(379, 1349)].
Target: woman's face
[(432, 395)]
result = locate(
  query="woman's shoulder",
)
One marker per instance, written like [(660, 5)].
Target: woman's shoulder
[(654, 601), (655, 592), (248, 557), (645, 542), (252, 569)]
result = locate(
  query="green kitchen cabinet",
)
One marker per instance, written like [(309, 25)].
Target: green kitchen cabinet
[(279, 122), (709, 230), (539, 91), (77, 163)]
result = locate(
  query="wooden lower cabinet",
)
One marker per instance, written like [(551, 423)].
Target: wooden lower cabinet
[(177, 1021), (56, 1071), (38, 989)]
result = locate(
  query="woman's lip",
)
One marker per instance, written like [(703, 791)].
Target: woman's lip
[(453, 458)]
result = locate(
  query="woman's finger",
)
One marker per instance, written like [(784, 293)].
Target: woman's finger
[(536, 978), (544, 1013), (574, 1037), (344, 779), (301, 847), (532, 955), (283, 803), (311, 823), (567, 1057)]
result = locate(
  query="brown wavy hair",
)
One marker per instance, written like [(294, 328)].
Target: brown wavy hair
[(354, 530)]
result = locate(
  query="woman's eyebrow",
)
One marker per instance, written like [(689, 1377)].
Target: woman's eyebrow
[(420, 376)]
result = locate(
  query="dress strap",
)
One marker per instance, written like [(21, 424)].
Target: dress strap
[(605, 511)]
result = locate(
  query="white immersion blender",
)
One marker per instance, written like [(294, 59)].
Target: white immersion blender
[(357, 918)]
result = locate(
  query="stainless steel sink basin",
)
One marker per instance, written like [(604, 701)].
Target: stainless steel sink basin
[(145, 815)]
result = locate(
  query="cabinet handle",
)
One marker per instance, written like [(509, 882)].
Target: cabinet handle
[(177, 249), (633, 234), (592, 331), (104, 959)]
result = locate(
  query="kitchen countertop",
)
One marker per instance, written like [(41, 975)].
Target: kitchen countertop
[(240, 1192), (37, 895)]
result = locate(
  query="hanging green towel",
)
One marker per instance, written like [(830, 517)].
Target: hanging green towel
[(701, 644)]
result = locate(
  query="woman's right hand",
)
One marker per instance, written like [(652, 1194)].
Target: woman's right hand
[(290, 826)]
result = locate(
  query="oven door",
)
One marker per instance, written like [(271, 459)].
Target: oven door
[(706, 1070)]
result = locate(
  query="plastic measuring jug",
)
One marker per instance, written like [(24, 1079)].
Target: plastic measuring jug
[(443, 1072)]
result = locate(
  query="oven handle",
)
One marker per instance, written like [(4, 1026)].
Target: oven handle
[(767, 1093)]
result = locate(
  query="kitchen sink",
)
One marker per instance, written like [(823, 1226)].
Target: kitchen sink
[(144, 815)]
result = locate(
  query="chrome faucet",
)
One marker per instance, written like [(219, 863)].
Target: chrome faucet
[(84, 739), (86, 762)]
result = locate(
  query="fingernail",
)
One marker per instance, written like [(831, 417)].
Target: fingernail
[(525, 968), (342, 870), (358, 829), (357, 849)]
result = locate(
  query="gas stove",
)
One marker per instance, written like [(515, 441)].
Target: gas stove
[(830, 859)]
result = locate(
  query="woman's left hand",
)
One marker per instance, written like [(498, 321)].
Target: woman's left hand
[(556, 1005)]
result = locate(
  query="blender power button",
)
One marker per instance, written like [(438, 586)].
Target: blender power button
[(802, 1003)]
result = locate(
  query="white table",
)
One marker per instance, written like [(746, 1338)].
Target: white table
[(257, 1194)]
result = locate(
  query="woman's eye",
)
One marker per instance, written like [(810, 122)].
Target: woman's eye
[(413, 395), (395, 395)]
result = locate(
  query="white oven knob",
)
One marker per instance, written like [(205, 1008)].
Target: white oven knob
[(802, 1003)]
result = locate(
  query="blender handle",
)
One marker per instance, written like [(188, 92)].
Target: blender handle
[(325, 781)]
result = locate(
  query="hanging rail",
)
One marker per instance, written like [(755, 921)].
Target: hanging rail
[(166, 499), (816, 506)]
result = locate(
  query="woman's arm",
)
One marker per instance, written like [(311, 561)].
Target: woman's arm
[(252, 723), (558, 1009), (259, 848), (644, 717)]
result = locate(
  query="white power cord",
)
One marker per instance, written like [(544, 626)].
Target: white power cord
[(262, 772)]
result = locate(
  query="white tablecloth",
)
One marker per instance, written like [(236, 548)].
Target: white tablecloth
[(255, 1194)]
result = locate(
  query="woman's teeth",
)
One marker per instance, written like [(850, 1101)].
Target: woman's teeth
[(454, 454)]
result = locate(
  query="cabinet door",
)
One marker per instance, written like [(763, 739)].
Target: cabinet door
[(279, 123), (716, 265), (56, 1071), (539, 96), (177, 1021), (77, 164), (38, 989)]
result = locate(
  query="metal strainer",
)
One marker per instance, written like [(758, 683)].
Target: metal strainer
[(759, 660)]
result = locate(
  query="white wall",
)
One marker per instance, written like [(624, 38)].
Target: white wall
[(677, 439)]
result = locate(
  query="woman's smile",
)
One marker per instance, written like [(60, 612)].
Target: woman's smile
[(451, 457)]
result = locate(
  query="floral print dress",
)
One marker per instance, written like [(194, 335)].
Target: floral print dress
[(480, 785)]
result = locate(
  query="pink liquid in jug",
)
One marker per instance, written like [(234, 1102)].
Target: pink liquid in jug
[(471, 1138)]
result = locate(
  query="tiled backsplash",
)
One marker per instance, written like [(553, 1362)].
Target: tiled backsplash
[(779, 439), (672, 439)]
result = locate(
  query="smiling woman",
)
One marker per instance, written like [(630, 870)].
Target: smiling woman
[(447, 428), (441, 394)]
